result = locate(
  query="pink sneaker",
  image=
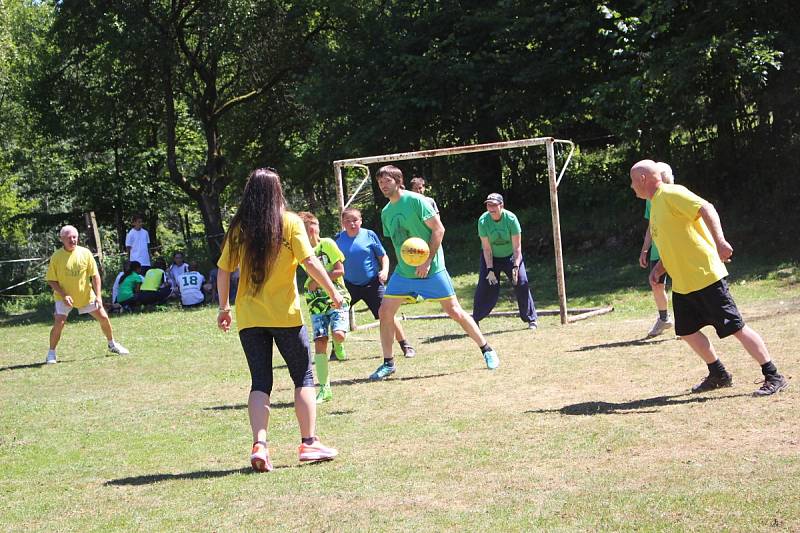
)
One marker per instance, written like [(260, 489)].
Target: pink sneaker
[(259, 457), (316, 451)]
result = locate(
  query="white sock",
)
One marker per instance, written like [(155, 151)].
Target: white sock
[(111, 343)]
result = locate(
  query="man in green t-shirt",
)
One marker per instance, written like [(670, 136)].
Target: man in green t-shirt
[(649, 249), (409, 214), (501, 251), (323, 315)]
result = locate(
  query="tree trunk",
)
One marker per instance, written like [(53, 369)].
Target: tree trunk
[(208, 201)]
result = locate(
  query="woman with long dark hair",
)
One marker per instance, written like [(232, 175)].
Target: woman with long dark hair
[(267, 243)]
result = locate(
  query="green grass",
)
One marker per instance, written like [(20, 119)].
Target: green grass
[(583, 427)]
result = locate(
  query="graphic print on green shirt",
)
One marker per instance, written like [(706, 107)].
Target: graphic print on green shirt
[(328, 254), (406, 218), (500, 232)]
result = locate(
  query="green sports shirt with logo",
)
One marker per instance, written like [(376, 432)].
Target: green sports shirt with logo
[(329, 254)]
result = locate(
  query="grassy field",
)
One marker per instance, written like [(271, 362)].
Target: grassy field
[(583, 427)]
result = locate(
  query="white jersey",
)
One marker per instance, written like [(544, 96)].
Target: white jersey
[(175, 272), (191, 284), (139, 240)]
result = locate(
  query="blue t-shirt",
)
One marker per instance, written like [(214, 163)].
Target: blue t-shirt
[(361, 255)]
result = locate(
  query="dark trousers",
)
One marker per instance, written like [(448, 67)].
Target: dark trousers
[(155, 297), (486, 295)]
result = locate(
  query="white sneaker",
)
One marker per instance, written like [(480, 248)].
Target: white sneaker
[(51, 358), (115, 347), (660, 327)]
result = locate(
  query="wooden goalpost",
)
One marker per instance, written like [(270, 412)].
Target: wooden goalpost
[(548, 142)]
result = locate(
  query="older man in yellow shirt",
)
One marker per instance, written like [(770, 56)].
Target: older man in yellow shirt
[(688, 233), (73, 276)]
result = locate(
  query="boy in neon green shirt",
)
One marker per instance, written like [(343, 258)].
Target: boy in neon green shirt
[(323, 315)]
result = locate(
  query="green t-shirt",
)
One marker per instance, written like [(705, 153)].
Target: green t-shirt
[(406, 218), (126, 286), (153, 279), (653, 249), (499, 233), (329, 254)]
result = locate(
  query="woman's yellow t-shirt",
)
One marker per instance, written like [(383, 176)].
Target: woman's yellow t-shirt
[(277, 303)]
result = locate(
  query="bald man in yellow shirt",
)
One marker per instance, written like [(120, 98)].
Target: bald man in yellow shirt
[(688, 233)]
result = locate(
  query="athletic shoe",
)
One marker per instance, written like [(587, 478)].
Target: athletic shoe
[(772, 383), (259, 457), (533, 326), (409, 351), (51, 358), (383, 372), (316, 451), (324, 394), (492, 361), (660, 327), (338, 351), (712, 382), (117, 348)]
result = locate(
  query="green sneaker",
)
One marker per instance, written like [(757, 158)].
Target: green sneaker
[(383, 372), (338, 351), (324, 394)]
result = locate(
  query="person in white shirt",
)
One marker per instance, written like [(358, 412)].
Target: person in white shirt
[(137, 242), (191, 287), (174, 272)]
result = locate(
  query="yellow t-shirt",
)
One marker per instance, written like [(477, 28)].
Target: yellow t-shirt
[(684, 242), (73, 271), (277, 304)]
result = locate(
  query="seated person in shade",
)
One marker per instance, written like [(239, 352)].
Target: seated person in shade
[(129, 283), (115, 306), (178, 267), (155, 288), (191, 287)]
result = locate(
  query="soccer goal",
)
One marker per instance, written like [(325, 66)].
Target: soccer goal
[(361, 185)]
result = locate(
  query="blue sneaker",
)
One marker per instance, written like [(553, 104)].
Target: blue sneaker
[(383, 372), (492, 361)]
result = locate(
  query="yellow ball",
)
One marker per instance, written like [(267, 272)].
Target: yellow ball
[(415, 251)]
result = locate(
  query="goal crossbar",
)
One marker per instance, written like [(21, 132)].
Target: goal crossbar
[(554, 180)]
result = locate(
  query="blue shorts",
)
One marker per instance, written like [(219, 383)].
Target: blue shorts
[(336, 319), (437, 286)]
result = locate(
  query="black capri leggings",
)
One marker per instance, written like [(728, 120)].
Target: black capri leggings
[(293, 345)]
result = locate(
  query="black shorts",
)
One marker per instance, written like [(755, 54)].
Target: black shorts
[(711, 306), (663, 279), (371, 294)]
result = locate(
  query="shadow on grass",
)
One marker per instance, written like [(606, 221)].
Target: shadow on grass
[(200, 474), (21, 367), (635, 342), (238, 406), (43, 364), (608, 408), (358, 381)]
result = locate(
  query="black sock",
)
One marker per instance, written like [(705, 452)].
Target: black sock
[(663, 315), (486, 348), (388, 362), (717, 368), (769, 369), (403, 343), (308, 440)]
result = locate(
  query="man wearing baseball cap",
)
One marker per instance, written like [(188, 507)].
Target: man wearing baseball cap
[(501, 247)]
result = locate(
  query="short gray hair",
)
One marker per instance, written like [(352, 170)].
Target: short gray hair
[(66, 229), (666, 173)]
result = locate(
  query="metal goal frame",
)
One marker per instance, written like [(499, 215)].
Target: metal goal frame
[(554, 180)]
